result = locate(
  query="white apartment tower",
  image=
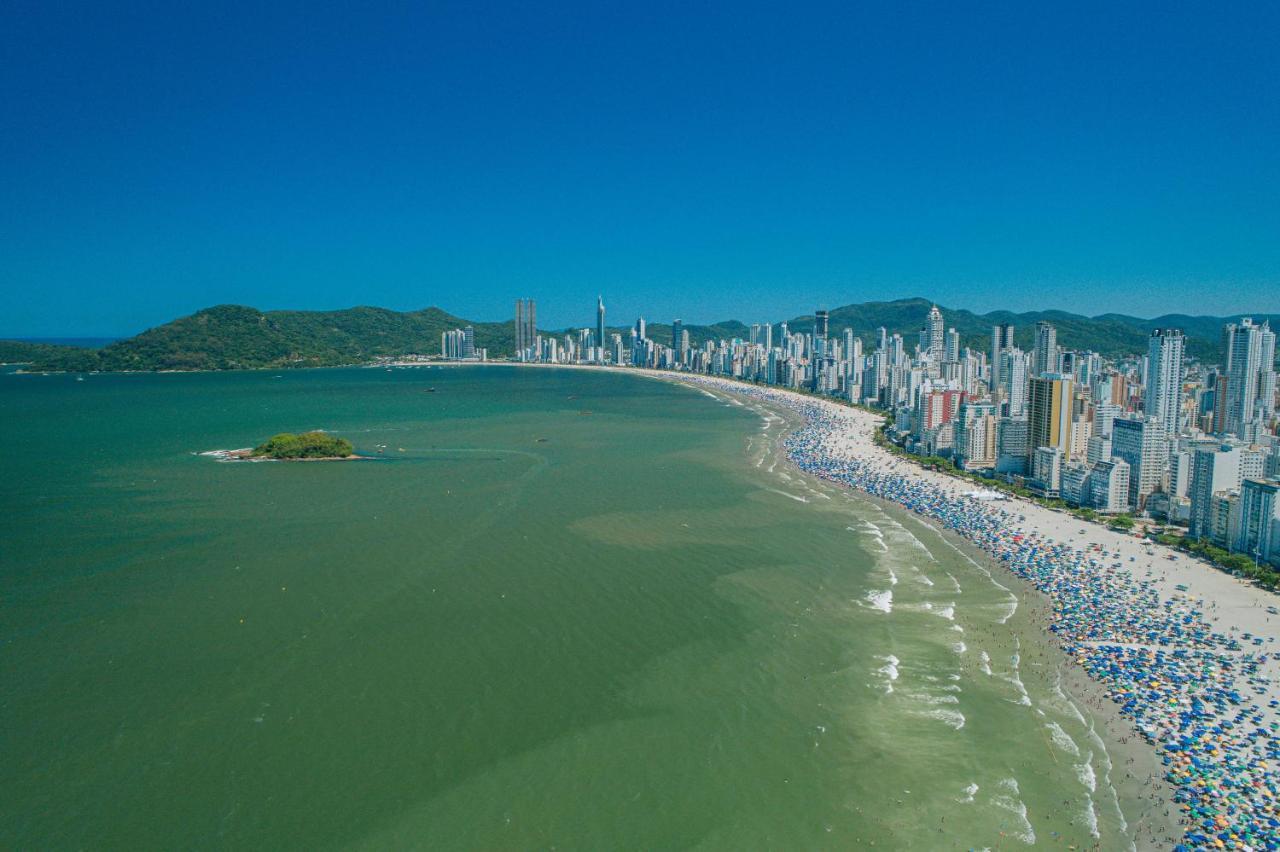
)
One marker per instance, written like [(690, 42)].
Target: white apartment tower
[(1164, 377)]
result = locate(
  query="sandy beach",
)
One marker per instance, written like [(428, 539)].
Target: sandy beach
[(1191, 672)]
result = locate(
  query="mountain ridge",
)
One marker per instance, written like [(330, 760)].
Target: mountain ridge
[(224, 337)]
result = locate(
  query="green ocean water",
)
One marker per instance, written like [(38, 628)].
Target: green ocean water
[(564, 609)]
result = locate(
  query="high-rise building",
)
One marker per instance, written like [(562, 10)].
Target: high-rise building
[(1141, 442), (1164, 377), (1250, 368), (937, 342), (1217, 467), (600, 341), (1001, 339), (1049, 414), (1257, 530), (951, 353), (1013, 380), (821, 323), (1044, 358), (526, 326)]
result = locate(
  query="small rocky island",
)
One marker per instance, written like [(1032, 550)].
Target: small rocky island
[(289, 446)]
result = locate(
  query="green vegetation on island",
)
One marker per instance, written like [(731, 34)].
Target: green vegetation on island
[(233, 337), (308, 445)]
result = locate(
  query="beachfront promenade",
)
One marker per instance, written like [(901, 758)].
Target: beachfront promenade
[(1184, 667)]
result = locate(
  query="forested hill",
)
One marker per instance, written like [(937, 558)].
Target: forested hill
[(234, 337), (229, 337)]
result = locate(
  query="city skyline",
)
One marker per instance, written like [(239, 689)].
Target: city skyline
[(1139, 433), (576, 321)]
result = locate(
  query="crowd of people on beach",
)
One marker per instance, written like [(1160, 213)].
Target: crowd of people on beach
[(1190, 690)]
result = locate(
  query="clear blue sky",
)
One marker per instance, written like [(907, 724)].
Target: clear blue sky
[(699, 160)]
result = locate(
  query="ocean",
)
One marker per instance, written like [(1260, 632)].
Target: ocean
[(557, 608)]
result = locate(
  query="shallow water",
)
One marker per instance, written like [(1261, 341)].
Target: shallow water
[(563, 608)]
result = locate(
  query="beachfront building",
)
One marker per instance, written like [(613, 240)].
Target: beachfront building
[(459, 344), (1049, 410), (1109, 486), (526, 330), (1218, 467), (975, 436), (1075, 484), (1011, 446), (1256, 530), (1141, 443), (1046, 471), (1224, 516)]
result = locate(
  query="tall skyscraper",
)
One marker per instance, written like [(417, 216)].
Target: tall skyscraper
[(526, 326), (1044, 358), (1251, 382), (1164, 377), (821, 321), (1012, 370), (600, 341), (1049, 414), (1001, 340), (937, 342), (951, 353), (677, 340)]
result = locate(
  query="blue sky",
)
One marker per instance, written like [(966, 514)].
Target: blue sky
[(705, 161)]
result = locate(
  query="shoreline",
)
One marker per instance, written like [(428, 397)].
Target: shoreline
[(1174, 676), (1173, 670), (245, 455), (1135, 772)]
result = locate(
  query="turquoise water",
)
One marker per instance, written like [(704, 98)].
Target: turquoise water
[(562, 608)]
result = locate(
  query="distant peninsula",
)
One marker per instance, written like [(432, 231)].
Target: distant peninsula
[(288, 446), (234, 337)]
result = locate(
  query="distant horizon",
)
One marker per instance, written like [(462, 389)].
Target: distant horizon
[(612, 318)]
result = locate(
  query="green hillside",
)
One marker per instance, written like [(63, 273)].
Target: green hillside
[(234, 337), (229, 337), (24, 352)]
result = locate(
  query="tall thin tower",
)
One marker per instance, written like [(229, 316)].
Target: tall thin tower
[(1001, 340), (600, 329), (526, 325), (821, 324), (1045, 355), (1164, 377), (937, 343)]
